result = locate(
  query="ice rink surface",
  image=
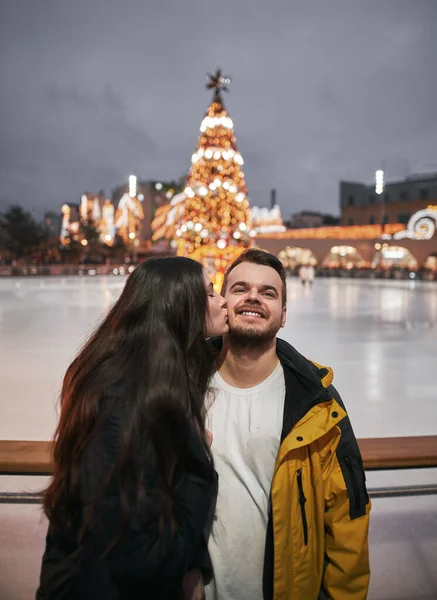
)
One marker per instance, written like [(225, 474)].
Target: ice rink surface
[(380, 337)]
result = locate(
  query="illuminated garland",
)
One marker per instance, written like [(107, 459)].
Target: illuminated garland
[(352, 232)]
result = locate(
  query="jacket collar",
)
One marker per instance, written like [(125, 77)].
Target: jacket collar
[(306, 385)]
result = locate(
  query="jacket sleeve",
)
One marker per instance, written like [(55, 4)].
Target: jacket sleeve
[(202, 559), (347, 507)]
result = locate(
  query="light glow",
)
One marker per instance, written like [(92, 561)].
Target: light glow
[(379, 181), (132, 186)]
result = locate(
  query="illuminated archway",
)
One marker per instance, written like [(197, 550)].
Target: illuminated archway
[(344, 257), (388, 257), (293, 256), (431, 262)]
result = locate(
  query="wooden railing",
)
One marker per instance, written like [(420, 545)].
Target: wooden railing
[(381, 454), (25, 458), (34, 458)]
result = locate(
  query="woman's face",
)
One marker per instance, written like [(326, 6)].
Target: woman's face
[(217, 317)]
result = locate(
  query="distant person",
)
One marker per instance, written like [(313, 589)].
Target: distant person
[(307, 274), (292, 512), (303, 274), (311, 274), (134, 483)]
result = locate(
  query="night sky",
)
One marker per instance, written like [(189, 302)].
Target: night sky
[(94, 90)]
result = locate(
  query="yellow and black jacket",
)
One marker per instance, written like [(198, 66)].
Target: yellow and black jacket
[(317, 535)]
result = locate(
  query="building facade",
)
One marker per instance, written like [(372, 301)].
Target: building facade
[(360, 205), (151, 195), (308, 218)]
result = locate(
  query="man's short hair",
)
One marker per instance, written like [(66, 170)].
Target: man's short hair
[(263, 258)]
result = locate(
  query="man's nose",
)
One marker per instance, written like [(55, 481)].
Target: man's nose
[(253, 295)]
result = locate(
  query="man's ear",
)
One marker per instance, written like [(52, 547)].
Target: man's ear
[(284, 316)]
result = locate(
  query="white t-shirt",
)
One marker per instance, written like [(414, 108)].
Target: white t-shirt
[(246, 424)]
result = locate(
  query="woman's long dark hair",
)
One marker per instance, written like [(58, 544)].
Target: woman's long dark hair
[(152, 343)]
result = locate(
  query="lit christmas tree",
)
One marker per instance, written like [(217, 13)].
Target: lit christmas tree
[(215, 225)]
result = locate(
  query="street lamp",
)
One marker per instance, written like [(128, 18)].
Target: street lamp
[(132, 186), (379, 189), (379, 181)]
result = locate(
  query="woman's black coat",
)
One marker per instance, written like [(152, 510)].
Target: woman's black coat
[(144, 564)]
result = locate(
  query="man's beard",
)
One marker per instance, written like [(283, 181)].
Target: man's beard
[(252, 337)]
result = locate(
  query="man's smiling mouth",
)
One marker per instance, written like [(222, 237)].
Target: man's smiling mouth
[(251, 313)]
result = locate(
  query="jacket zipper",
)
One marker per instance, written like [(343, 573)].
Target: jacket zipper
[(302, 501), (355, 487)]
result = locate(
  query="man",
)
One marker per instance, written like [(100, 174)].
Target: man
[(292, 513)]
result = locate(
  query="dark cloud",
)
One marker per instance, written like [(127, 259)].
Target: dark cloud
[(71, 98), (94, 91)]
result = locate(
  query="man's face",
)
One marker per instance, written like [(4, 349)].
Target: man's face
[(254, 300)]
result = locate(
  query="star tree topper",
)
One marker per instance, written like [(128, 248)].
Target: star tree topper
[(218, 82)]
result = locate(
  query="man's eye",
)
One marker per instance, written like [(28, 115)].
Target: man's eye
[(239, 290), (269, 294)]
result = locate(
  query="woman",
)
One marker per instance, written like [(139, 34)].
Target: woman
[(134, 484)]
